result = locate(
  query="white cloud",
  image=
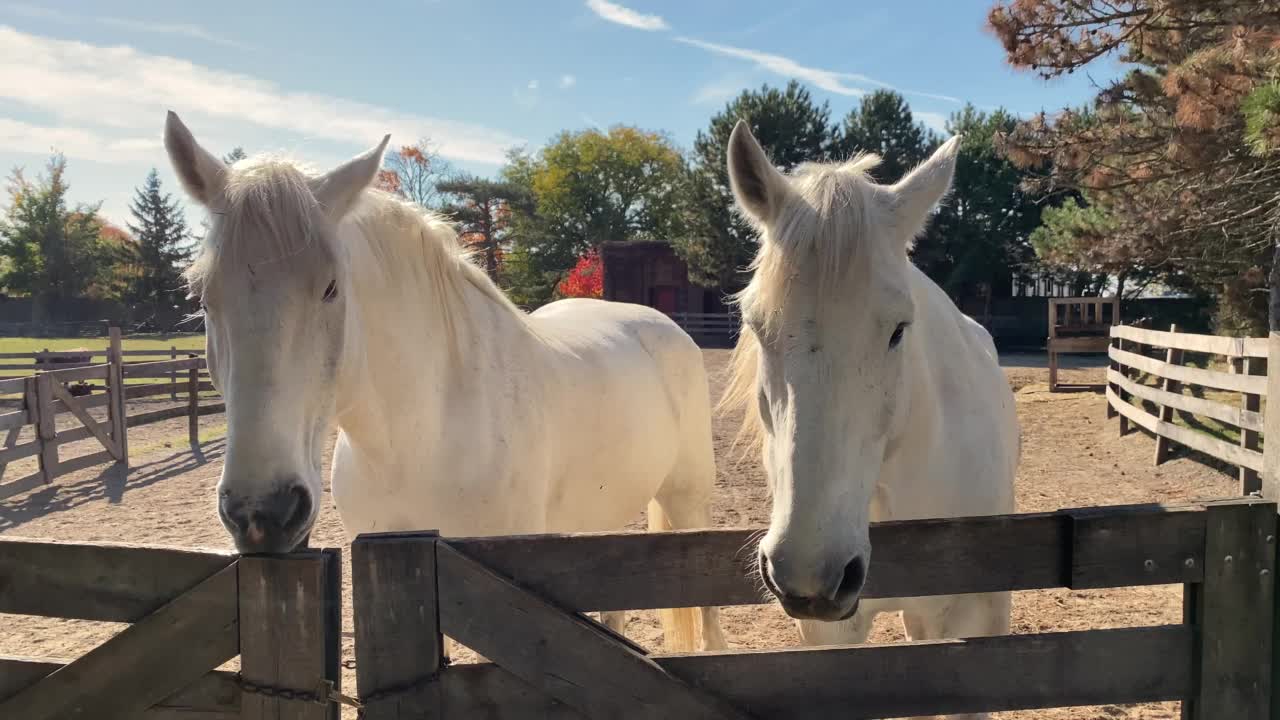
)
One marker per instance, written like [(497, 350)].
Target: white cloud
[(829, 80), (615, 13), (116, 91), (21, 137), (533, 84), (717, 92), (194, 32), (567, 81), (933, 120)]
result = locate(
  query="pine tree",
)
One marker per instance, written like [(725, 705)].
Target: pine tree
[(160, 230)]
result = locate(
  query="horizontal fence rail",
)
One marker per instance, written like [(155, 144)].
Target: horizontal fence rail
[(507, 596), (1174, 391)]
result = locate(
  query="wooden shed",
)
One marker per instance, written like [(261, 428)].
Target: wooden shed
[(650, 273)]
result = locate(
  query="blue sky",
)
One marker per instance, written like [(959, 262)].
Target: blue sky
[(323, 81)]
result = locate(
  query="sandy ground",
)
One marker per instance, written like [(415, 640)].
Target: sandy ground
[(1072, 457)]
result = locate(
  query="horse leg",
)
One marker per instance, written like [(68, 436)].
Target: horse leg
[(615, 620), (684, 503), (958, 616)]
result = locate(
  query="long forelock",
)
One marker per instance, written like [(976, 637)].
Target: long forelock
[(267, 213), (825, 214)]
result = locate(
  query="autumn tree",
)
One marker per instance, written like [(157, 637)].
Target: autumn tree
[(483, 208), (54, 252), (792, 128), (163, 245), (585, 280), (415, 172), (1167, 157), (883, 124)]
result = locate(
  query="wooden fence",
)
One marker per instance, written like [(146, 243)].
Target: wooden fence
[(40, 399), (1148, 391), (189, 612), (708, 325), (517, 601), (1078, 325)]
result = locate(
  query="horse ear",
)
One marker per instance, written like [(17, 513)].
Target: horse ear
[(338, 189), (757, 185), (917, 194), (202, 174)]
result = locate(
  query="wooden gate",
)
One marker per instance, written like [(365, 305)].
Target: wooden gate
[(518, 601), (189, 612)]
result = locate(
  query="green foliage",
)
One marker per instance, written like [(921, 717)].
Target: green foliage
[(163, 245), (54, 253), (1261, 110), (792, 128), (883, 124), (482, 208), (980, 236)]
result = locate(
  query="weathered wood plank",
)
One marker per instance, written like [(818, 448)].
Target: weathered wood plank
[(1215, 344), (15, 419), (1235, 612), (162, 367), (21, 485), (636, 571), (87, 420), (1255, 384), (46, 423), (143, 664), (89, 372), (145, 418), (116, 583), (561, 653), (214, 696), (290, 617), (12, 385), (85, 461), (1110, 549), (1193, 439), (398, 642), (84, 401), (1096, 344), (1199, 406), (17, 452), (1251, 437), (1019, 672)]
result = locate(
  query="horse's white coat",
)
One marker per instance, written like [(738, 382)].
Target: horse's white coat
[(327, 301), (855, 427)]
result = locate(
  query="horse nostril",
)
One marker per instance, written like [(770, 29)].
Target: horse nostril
[(855, 574), (295, 508)]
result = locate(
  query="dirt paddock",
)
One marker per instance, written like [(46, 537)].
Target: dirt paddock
[(1072, 457)]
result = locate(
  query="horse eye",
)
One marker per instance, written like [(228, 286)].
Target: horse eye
[(331, 292), (897, 335)]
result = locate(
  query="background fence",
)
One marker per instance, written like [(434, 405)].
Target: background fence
[(97, 396), (1204, 392)]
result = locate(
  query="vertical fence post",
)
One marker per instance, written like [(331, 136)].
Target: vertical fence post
[(399, 648), (46, 427), (1120, 393), (1172, 356), (1250, 482), (116, 394), (1271, 470), (1113, 366), (1053, 355), (193, 404), (290, 630), (1233, 611), (173, 374)]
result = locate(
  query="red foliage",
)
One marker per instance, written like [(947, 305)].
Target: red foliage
[(586, 279), (387, 180)]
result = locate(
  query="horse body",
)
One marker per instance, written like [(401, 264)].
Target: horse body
[(871, 396), (328, 302)]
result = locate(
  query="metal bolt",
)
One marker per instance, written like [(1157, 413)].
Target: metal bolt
[(1264, 572), (1189, 563), (1271, 539), (1149, 565), (1227, 560)]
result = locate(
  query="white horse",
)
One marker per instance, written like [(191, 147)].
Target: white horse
[(327, 301), (873, 397)]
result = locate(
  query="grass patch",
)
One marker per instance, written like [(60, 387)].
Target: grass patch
[(182, 341)]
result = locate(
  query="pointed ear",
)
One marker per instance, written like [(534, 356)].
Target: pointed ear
[(338, 189), (757, 185), (202, 174), (917, 194)]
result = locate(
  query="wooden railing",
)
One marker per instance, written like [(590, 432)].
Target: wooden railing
[(1078, 325), (1148, 391), (717, 324)]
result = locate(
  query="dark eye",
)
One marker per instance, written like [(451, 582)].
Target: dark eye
[(898, 332), (331, 292)]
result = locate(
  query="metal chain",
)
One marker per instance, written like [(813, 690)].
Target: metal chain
[(325, 693)]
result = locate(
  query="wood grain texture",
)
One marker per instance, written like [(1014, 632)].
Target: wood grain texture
[(1215, 344), (1159, 545), (89, 581), (1193, 439), (100, 433), (145, 663), (290, 617), (1192, 376), (561, 653), (214, 696)]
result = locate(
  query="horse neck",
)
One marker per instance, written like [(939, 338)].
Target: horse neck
[(409, 369)]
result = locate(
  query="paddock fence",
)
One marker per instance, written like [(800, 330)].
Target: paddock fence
[(1215, 408), (29, 416), (709, 326), (518, 601), (189, 612)]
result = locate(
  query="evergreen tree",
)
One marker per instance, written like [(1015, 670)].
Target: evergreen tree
[(883, 124), (163, 245)]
